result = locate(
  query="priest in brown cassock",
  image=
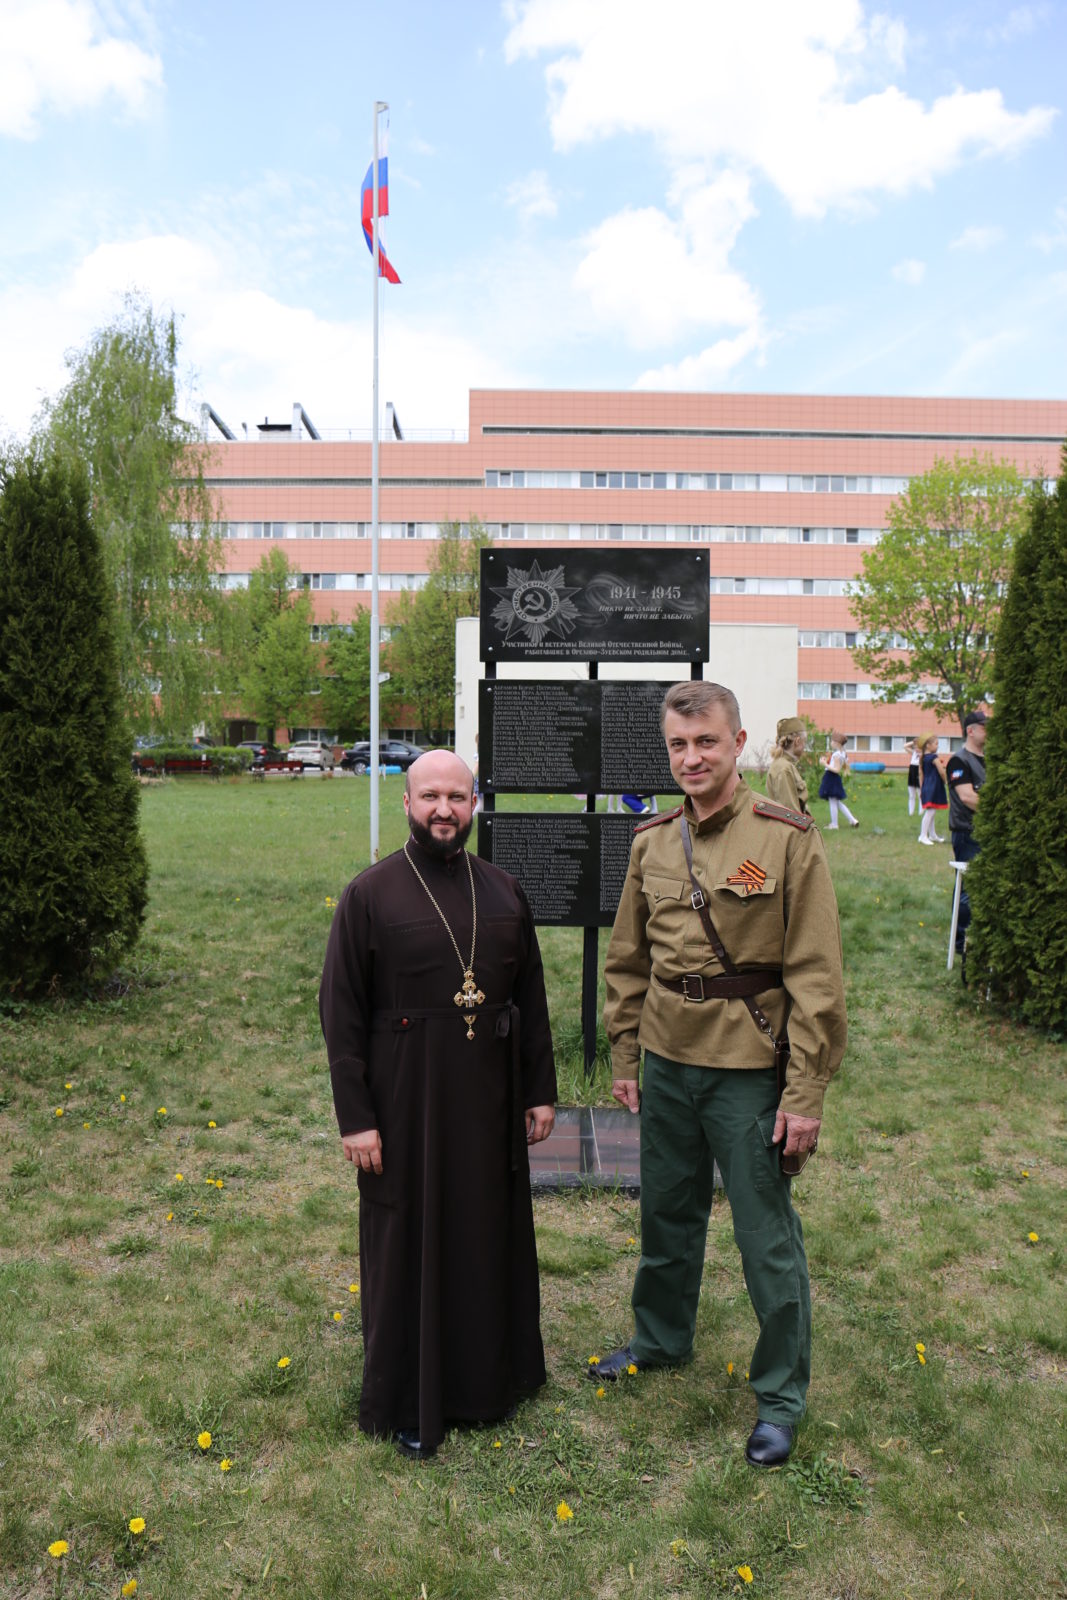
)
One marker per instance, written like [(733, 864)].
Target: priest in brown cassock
[(436, 1022)]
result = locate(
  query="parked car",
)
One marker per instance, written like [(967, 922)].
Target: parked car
[(312, 753), (391, 753), (261, 751)]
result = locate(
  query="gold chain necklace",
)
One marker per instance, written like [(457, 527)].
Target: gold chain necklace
[(469, 995)]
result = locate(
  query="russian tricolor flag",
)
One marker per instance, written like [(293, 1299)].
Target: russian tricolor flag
[(385, 266)]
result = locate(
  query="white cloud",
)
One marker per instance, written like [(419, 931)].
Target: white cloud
[(910, 271), (1056, 237), (1020, 22), (252, 353), (532, 196), (58, 56), (977, 238), (766, 88), (708, 369), (656, 278)]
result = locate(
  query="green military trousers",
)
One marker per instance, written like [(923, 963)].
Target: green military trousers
[(690, 1118)]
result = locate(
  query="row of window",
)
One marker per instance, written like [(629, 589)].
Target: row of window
[(330, 530), (679, 533), (787, 586), (835, 639), (729, 482), (337, 580), (858, 691)]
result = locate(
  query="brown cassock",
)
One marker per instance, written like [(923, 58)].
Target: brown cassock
[(449, 1288)]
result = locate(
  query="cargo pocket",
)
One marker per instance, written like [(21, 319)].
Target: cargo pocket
[(766, 1166)]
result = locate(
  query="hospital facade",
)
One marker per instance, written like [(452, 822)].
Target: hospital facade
[(785, 492)]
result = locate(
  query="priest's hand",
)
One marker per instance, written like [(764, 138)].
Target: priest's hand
[(625, 1091), (364, 1150), (540, 1121)]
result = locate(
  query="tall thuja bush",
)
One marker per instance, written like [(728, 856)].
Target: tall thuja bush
[(73, 872), (1018, 884)]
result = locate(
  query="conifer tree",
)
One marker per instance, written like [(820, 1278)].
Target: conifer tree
[(73, 872), (1017, 942)]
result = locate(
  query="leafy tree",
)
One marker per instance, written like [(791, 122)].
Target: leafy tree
[(422, 657), (73, 872), (937, 577), (1018, 882), (346, 679), (269, 660), (117, 415)]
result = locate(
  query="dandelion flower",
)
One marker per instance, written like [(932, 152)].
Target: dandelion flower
[(58, 1549), (1024, 1172), (68, 1086), (129, 1587), (59, 1111), (204, 1440), (511, 1488), (283, 1362), (729, 1369), (921, 1348), (593, 1361), (225, 1464), (136, 1524), (122, 1100), (632, 1369), (179, 1177), (338, 1315), (212, 1124), (601, 1392), (169, 1217), (218, 1183), (497, 1445), (564, 1512), (162, 1111), (86, 1124), (745, 1574), (678, 1547), (631, 1240), (1033, 1237), (353, 1288)]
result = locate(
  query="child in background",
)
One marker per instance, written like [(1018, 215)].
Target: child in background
[(934, 794), (832, 788), (914, 776)]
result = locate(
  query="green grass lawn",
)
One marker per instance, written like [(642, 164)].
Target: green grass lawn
[(179, 1257)]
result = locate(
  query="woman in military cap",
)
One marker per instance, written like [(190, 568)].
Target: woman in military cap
[(785, 784)]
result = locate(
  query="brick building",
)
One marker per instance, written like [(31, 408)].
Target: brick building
[(785, 491)]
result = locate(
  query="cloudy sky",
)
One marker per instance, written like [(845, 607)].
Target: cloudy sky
[(817, 197)]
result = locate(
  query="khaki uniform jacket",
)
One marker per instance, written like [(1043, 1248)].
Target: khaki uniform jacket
[(786, 787), (790, 919)]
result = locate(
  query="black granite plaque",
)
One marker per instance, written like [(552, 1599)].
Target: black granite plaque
[(572, 868), (594, 605), (546, 736)]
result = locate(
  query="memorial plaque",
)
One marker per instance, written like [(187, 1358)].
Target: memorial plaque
[(571, 736), (594, 605), (572, 868)]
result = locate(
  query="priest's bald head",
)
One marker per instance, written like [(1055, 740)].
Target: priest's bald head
[(439, 801)]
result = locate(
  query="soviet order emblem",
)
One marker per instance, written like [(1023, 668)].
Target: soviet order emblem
[(535, 604)]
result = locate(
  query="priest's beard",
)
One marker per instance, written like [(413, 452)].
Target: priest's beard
[(442, 848)]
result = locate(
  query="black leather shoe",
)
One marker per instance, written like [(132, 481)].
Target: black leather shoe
[(769, 1444), (409, 1444), (615, 1365)]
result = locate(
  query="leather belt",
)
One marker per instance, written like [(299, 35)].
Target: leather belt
[(696, 988)]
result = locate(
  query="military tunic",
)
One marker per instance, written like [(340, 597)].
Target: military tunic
[(710, 1086), (449, 1284), (786, 786)]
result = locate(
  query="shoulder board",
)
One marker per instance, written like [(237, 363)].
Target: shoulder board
[(654, 822), (775, 813)]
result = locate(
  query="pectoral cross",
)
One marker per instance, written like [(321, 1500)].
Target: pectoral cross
[(469, 995)]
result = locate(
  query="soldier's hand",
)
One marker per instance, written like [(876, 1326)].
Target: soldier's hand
[(540, 1121), (624, 1090), (800, 1133), (364, 1150)]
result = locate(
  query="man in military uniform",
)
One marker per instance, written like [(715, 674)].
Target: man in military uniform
[(785, 783), (710, 1082)]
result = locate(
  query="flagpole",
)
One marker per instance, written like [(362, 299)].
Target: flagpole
[(375, 718)]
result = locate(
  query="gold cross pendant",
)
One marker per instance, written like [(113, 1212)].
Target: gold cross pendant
[(470, 1026), (470, 994)]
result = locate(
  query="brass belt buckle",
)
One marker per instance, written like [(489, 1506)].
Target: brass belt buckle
[(687, 979)]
